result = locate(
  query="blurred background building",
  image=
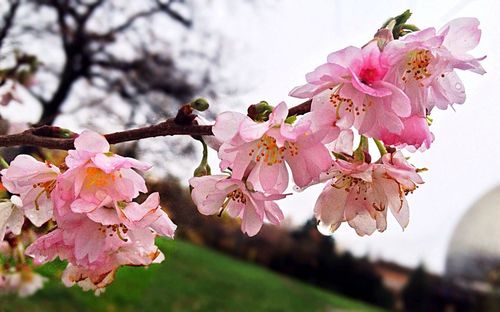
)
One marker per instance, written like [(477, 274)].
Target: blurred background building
[(473, 258)]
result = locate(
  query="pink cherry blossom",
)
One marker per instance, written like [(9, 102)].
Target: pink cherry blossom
[(34, 181), (338, 137), (11, 216), (416, 134), (96, 177), (87, 279), (23, 282), (96, 276), (360, 194), (86, 238), (423, 63), (217, 193), (261, 150), (397, 167), (352, 86), (147, 214), (96, 250), (99, 228)]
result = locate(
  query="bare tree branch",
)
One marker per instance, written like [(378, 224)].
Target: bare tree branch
[(167, 7), (84, 50), (125, 25)]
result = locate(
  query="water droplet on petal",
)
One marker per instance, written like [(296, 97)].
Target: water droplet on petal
[(298, 189), (324, 229), (458, 86)]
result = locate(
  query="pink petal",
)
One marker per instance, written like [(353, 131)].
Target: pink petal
[(227, 125), (325, 76), (350, 57), (308, 91), (110, 163), (461, 34), (279, 114), (398, 101), (268, 174), (250, 130), (397, 205), (82, 206), (203, 187), (164, 226), (104, 216), (330, 206), (251, 222), (273, 213), (41, 213), (91, 142), (359, 218), (446, 91), (376, 91), (235, 209)]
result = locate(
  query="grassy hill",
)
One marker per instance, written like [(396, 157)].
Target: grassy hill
[(192, 278)]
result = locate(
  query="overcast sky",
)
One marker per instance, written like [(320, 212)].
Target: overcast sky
[(274, 45)]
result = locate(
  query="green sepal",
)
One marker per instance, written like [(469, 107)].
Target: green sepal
[(291, 119)]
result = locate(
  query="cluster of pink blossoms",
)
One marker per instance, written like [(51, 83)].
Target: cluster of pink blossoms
[(90, 199), (386, 91)]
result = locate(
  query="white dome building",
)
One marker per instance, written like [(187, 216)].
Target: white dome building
[(474, 251)]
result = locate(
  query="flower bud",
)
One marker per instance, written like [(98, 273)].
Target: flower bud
[(200, 104)]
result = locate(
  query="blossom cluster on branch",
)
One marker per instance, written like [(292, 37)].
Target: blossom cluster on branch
[(86, 210), (97, 226), (385, 91)]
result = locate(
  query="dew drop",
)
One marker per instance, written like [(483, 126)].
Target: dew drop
[(324, 229), (458, 86), (298, 189)]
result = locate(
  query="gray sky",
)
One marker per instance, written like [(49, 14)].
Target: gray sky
[(273, 47)]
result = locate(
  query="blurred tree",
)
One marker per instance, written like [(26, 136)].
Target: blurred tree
[(492, 300), (417, 293), (8, 18), (114, 64), (121, 52)]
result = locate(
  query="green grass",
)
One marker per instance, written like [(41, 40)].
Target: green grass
[(192, 278)]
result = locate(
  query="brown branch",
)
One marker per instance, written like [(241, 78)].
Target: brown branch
[(300, 109), (33, 137), (50, 137)]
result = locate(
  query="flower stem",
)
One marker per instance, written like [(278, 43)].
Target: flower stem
[(381, 147), (203, 169), (3, 163), (359, 153), (20, 252)]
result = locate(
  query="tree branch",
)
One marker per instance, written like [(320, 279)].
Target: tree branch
[(33, 137), (167, 8), (50, 136), (8, 19), (125, 25), (300, 109)]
